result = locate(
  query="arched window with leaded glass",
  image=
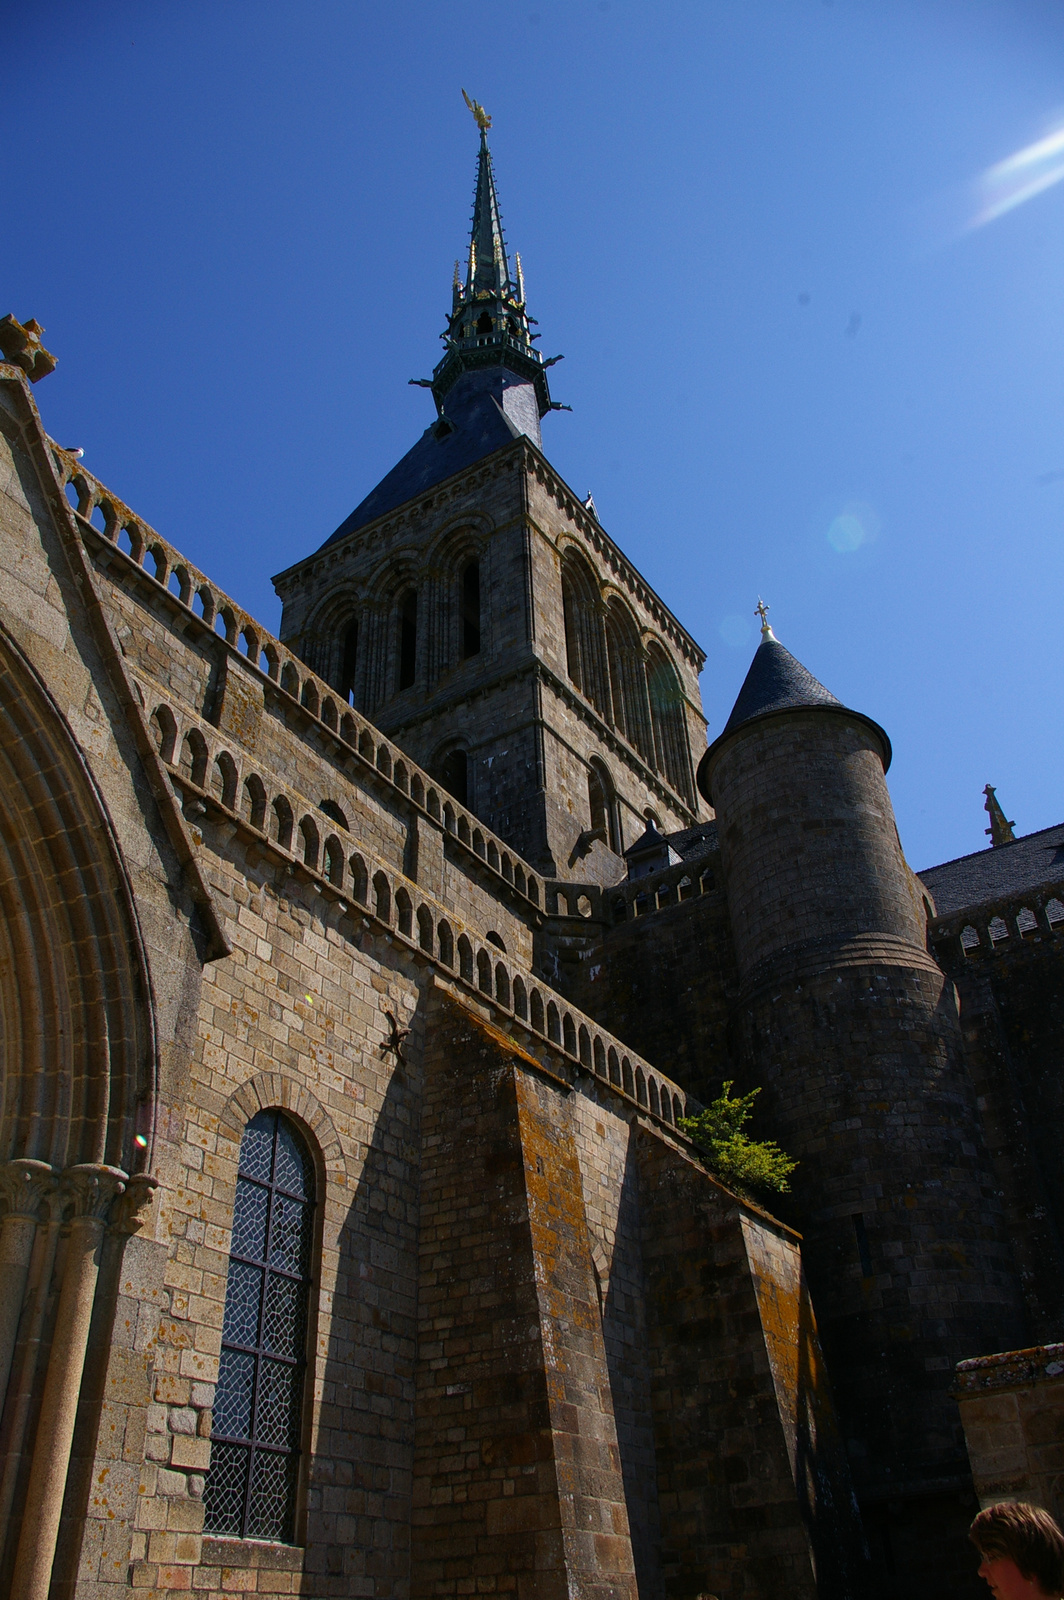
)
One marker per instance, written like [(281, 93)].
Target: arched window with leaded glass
[(253, 1478)]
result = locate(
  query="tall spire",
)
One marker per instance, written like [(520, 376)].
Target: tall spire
[(488, 267), (489, 326)]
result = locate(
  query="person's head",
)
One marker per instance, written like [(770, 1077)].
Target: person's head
[(1022, 1550)]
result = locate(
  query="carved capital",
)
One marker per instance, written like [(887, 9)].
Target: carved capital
[(130, 1210), (25, 1187), (88, 1189)]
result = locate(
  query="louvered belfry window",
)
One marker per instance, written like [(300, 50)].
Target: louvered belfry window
[(251, 1486)]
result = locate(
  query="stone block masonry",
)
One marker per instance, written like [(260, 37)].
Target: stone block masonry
[(525, 1415), (325, 932), (1012, 1409), (517, 1481), (528, 730)]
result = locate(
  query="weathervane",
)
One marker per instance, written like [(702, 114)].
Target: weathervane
[(480, 116)]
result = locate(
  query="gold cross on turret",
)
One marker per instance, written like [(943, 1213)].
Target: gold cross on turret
[(762, 610)]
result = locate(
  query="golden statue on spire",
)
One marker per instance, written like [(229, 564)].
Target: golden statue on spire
[(480, 116)]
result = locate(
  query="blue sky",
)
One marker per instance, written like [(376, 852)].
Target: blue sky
[(798, 364)]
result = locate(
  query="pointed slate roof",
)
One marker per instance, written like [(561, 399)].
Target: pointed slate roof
[(777, 682), (488, 267), (482, 416)]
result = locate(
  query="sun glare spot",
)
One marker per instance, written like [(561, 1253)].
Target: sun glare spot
[(855, 525), (735, 631), (1019, 177)]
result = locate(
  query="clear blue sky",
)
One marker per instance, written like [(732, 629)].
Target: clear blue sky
[(794, 370)]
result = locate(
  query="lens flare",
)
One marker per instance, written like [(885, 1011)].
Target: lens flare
[(1019, 177), (855, 525), (735, 631)]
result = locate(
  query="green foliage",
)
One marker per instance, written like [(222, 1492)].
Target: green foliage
[(744, 1164)]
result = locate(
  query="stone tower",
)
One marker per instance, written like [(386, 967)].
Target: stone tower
[(474, 606), (852, 1029)]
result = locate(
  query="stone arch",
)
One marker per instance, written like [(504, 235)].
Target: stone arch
[(282, 822), (194, 755), (628, 682), (382, 897), (459, 557), (585, 640), (603, 809), (77, 1042), (331, 640), (267, 1091), (164, 732), (672, 753), (254, 801), (453, 770)]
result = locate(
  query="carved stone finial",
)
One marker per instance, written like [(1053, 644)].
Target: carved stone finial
[(21, 344), (89, 1188), (25, 1186), (1000, 829), (130, 1210)]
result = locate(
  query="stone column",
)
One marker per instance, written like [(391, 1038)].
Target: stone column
[(24, 1186), (89, 1190)]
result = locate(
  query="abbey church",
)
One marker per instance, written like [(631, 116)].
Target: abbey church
[(356, 985)]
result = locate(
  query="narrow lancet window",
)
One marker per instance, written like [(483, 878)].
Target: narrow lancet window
[(454, 775), (471, 610), (349, 662), (407, 639), (251, 1486)]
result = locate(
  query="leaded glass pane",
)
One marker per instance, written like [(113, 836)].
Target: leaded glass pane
[(256, 1147), (243, 1296), (249, 1220), (251, 1485), (277, 1404), (225, 1494), (232, 1402), (289, 1235), (292, 1171), (283, 1323), (273, 1483)]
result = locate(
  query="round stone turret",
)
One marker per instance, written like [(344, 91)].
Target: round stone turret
[(852, 1030), (807, 831)]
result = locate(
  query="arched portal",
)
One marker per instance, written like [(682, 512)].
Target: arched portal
[(77, 1046)]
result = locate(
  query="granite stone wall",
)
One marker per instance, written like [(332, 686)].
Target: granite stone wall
[(529, 732), (1012, 1408)]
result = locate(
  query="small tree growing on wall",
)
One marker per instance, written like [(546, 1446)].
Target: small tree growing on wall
[(746, 1165)]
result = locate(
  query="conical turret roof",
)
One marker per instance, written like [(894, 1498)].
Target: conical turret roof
[(778, 682)]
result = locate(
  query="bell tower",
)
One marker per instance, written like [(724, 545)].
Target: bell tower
[(474, 607)]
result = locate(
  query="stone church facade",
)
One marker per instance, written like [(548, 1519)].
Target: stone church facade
[(354, 985)]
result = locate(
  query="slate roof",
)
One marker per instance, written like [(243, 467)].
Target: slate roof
[(990, 874), (777, 681), (478, 425), (693, 842)]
